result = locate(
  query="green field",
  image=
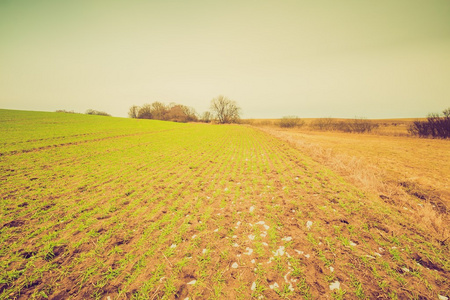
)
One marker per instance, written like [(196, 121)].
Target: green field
[(98, 207)]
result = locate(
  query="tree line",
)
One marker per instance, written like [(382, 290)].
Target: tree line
[(222, 110)]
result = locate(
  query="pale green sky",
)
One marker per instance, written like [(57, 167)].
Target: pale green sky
[(375, 59)]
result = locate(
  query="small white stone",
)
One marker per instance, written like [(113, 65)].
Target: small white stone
[(352, 244), (274, 286), (279, 252), (173, 246), (260, 223), (377, 254), (253, 261), (253, 286), (309, 224), (187, 298), (238, 255), (442, 297), (265, 244), (266, 227), (238, 223), (216, 230), (381, 249), (252, 209), (234, 236), (370, 256), (287, 239), (225, 189), (298, 251), (293, 210), (331, 269), (234, 265), (335, 285), (235, 245), (204, 251), (194, 236), (307, 255), (405, 269), (249, 251), (264, 234), (251, 237), (192, 282)]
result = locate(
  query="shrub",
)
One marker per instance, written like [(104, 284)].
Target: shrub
[(97, 113), (291, 121), (436, 126), (357, 125)]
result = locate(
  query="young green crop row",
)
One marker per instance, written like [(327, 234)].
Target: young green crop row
[(147, 210)]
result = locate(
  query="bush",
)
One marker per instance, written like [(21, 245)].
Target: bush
[(66, 111), (291, 121), (436, 126), (357, 125), (323, 124), (97, 113)]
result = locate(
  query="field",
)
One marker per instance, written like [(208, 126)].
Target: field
[(110, 208)]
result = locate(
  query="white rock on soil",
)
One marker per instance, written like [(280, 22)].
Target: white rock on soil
[(252, 209), (352, 244), (309, 224), (442, 297), (307, 255), (253, 261), (192, 282), (204, 251), (406, 270), (274, 286), (298, 251), (335, 285), (253, 286), (287, 239), (265, 244), (194, 236), (216, 230), (234, 236), (251, 237), (173, 246), (266, 227), (279, 252), (235, 245), (331, 269), (249, 251), (234, 265), (260, 223)]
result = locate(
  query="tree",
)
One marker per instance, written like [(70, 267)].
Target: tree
[(145, 112), (206, 117), (133, 112), (159, 111), (225, 110)]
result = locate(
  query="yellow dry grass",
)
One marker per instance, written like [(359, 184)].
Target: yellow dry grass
[(407, 172)]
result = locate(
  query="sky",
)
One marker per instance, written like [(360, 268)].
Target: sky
[(321, 58)]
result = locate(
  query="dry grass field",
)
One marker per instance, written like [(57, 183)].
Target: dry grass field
[(96, 207)]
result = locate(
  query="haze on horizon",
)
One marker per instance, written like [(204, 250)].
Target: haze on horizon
[(377, 59)]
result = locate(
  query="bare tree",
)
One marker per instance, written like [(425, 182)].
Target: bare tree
[(133, 112), (225, 110), (159, 111)]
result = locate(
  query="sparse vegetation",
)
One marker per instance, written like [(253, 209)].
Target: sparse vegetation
[(119, 208)]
